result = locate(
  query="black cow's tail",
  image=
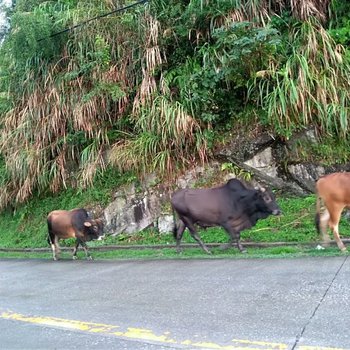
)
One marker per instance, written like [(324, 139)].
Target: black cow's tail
[(174, 226), (317, 216), (49, 229)]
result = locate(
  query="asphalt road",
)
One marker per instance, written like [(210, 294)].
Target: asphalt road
[(187, 304)]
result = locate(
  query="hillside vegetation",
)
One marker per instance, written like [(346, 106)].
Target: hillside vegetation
[(95, 93), (153, 87)]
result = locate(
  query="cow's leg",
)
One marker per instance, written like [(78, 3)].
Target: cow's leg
[(324, 219), (80, 240), (230, 243), (179, 233), (75, 250), (56, 249), (238, 242), (195, 235), (85, 247), (234, 237), (333, 223), (53, 247), (340, 244)]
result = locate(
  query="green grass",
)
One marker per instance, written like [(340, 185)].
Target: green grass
[(187, 253), (296, 224), (26, 228)]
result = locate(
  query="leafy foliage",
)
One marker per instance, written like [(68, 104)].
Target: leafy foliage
[(340, 22)]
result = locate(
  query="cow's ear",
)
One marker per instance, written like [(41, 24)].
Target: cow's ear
[(87, 224)]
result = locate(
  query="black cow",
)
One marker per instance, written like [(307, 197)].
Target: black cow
[(231, 206), (75, 223)]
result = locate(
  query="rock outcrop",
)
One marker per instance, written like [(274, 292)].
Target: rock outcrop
[(257, 156)]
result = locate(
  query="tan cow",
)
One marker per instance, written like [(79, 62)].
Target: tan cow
[(334, 191), (75, 223)]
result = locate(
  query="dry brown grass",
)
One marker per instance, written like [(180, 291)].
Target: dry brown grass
[(57, 134)]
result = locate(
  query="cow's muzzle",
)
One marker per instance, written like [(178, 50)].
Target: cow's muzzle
[(276, 212)]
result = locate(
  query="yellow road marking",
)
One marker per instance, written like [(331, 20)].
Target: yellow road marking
[(59, 322), (146, 334), (265, 345)]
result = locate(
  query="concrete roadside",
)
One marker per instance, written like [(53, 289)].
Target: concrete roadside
[(170, 304)]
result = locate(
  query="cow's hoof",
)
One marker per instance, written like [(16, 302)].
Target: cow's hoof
[(89, 258), (243, 251), (75, 257), (344, 250), (224, 246)]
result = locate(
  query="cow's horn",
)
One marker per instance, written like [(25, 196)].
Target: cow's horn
[(87, 224)]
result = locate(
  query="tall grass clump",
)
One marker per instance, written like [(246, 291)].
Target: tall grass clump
[(66, 99), (164, 137), (310, 87)]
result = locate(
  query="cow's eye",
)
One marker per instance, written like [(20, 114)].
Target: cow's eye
[(267, 198)]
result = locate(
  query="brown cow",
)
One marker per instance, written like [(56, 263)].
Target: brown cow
[(334, 191), (75, 223)]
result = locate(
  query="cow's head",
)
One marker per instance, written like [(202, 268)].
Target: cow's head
[(94, 228), (266, 202)]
